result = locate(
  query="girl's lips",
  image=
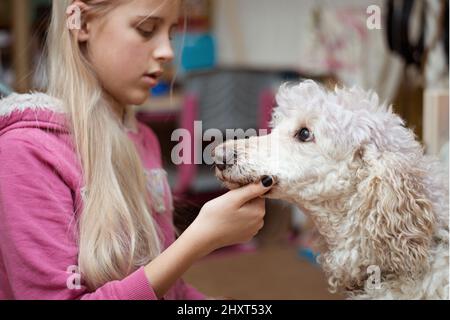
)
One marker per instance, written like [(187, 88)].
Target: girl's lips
[(150, 80)]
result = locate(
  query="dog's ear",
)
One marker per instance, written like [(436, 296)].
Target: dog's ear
[(395, 211)]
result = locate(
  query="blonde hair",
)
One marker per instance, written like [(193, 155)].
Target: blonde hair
[(117, 233)]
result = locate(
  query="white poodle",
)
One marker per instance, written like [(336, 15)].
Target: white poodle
[(379, 204)]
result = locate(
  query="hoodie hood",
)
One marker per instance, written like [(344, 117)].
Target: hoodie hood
[(34, 110)]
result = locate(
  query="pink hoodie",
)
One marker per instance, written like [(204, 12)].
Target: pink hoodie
[(41, 187)]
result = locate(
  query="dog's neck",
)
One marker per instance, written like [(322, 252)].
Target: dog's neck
[(346, 245), (330, 217)]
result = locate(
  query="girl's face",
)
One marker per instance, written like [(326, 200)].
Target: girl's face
[(129, 46)]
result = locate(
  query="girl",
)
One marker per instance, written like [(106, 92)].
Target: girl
[(85, 209)]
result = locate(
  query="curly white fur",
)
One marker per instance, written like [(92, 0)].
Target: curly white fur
[(374, 196)]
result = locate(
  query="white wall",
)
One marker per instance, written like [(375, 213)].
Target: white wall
[(281, 34)]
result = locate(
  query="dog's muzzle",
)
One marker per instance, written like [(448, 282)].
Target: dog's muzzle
[(224, 157)]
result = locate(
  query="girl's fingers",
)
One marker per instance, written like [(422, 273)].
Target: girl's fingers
[(255, 204), (252, 191)]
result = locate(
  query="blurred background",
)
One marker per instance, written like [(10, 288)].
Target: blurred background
[(231, 57)]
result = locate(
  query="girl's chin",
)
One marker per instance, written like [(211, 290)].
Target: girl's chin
[(138, 97)]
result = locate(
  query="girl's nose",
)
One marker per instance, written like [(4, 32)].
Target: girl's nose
[(164, 51)]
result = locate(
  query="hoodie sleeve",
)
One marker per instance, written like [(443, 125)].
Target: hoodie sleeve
[(38, 250), (187, 292)]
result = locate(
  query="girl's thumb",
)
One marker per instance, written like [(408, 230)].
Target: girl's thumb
[(254, 190)]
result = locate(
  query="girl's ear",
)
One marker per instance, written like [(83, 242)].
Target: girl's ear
[(76, 20), (83, 33)]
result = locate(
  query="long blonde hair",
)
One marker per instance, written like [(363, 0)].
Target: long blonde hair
[(116, 230)]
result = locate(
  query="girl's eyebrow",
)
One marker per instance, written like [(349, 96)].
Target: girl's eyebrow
[(143, 19), (149, 17)]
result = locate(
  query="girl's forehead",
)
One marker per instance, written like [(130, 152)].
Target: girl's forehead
[(167, 9)]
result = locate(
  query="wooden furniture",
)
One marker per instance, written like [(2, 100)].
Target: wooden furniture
[(21, 34), (435, 119), (26, 22)]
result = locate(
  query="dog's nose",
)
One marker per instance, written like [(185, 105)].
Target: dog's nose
[(223, 157)]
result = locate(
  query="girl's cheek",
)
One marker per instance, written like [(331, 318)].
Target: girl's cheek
[(136, 51)]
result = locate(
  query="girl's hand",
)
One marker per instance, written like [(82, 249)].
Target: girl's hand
[(232, 218)]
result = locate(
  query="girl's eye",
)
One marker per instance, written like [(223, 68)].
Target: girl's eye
[(172, 32), (147, 28), (304, 135), (146, 33)]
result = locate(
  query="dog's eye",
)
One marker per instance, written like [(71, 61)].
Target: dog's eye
[(305, 135)]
